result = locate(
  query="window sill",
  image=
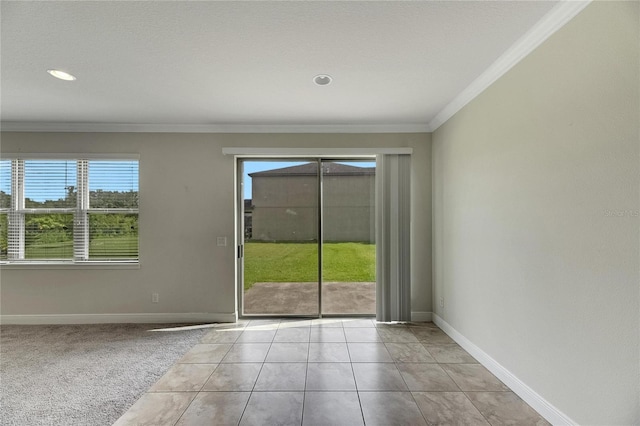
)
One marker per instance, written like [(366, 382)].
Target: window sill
[(70, 265)]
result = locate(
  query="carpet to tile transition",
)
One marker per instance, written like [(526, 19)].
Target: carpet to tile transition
[(83, 374)]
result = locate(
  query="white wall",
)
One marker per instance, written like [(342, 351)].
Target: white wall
[(536, 200), (186, 200)]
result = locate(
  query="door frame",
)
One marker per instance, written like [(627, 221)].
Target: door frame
[(239, 207)]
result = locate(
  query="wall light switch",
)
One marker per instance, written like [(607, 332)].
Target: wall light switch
[(222, 241)]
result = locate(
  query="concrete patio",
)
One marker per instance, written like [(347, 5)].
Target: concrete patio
[(302, 298)]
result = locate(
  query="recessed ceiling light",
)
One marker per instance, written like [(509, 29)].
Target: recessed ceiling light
[(322, 79), (61, 75)]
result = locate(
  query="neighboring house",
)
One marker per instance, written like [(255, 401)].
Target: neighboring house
[(285, 203)]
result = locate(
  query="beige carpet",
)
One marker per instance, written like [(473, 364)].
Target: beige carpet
[(82, 374), (302, 298)]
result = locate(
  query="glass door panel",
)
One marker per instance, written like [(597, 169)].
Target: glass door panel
[(348, 230), (281, 245)]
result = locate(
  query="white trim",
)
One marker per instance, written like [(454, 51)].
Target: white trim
[(555, 19), (531, 397), (421, 316), (35, 264), (73, 156), (28, 126), (159, 318), (312, 152)]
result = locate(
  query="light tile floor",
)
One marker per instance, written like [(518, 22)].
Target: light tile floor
[(328, 372)]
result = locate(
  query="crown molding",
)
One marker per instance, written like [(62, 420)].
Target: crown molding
[(555, 19), (20, 126)]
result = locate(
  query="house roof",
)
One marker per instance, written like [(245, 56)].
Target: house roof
[(309, 169)]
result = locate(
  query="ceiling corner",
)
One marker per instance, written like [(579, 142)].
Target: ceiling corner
[(555, 19)]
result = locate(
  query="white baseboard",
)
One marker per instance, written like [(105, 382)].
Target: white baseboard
[(421, 316), (160, 318), (531, 397)]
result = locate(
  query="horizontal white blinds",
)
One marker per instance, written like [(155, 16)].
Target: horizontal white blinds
[(113, 184), (5, 184), (68, 209), (113, 209), (50, 184), (5, 206), (113, 236)]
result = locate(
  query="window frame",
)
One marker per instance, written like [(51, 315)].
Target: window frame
[(81, 232)]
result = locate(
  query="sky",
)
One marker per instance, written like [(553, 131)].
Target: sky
[(111, 176), (259, 166), (48, 179)]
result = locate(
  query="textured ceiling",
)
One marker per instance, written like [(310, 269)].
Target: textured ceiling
[(239, 63)]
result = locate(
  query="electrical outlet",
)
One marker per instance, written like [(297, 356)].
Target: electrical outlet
[(221, 241), (442, 302), (155, 298)]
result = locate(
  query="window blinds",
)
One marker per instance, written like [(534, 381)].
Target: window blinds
[(68, 210), (393, 236), (113, 209), (5, 206)]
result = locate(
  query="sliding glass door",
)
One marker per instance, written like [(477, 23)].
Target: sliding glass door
[(281, 251), (348, 238), (308, 237)]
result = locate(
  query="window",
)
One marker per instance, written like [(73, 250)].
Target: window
[(68, 211), (5, 205)]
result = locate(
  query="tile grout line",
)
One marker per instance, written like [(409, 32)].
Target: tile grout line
[(354, 380), (476, 407), (258, 375), (456, 383), (254, 384), (409, 390), (413, 396), (386, 344), (205, 382), (306, 375)]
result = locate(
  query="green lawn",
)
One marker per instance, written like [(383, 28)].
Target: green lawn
[(263, 262), (298, 262), (113, 247), (62, 250), (109, 247)]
